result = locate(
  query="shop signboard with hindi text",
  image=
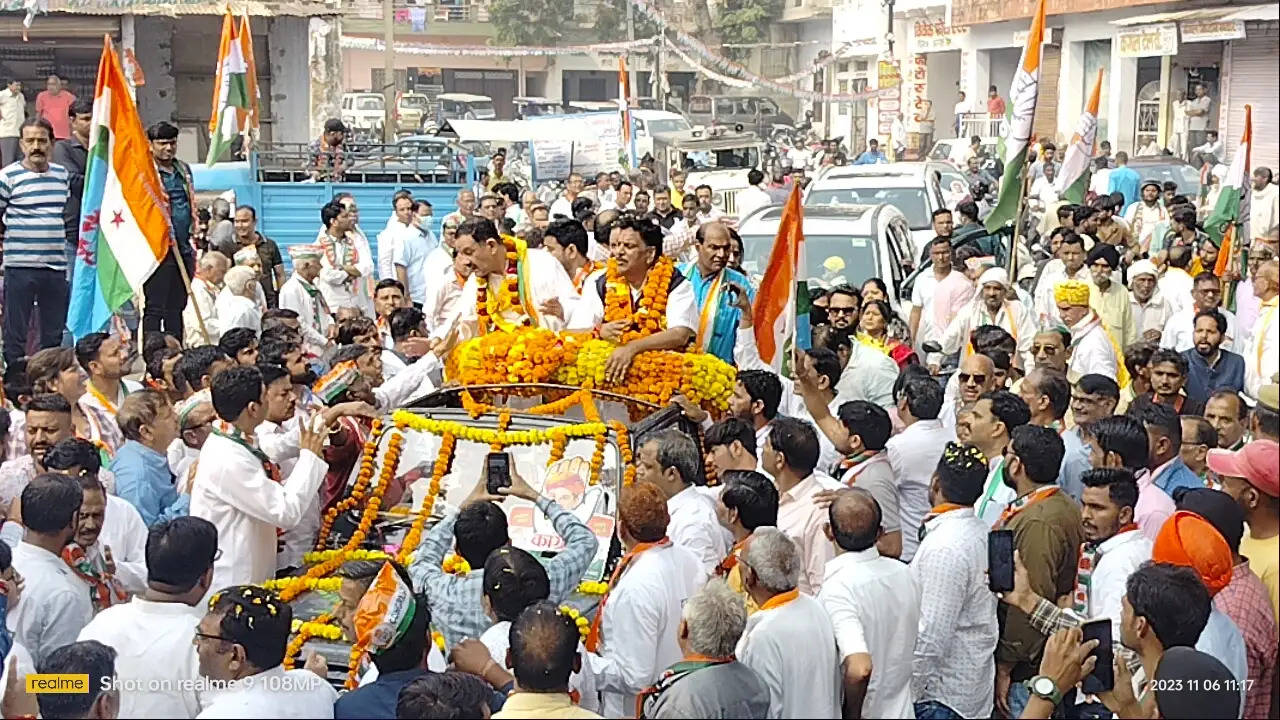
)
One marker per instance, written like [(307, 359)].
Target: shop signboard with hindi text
[(1212, 30), (933, 34), (977, 12), (889, 104), (1148, 40)]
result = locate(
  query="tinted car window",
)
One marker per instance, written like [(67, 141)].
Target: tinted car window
[(858, 253), (911, 201)]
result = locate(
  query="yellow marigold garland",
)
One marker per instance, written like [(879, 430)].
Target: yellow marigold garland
[(455, 564), (588, 587), (358, 491), (304, 632), (490, 436), (583, 625), (444, 461), (295, 585), (315, 556)]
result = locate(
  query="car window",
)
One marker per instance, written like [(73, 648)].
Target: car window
[(700, 104), (893, 242), (1185, 176), (941, 151), (725, 106), (768, 107), (370, 103), (667, 125), (911, 201), (858, 256)]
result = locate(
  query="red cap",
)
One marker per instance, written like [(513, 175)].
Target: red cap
[(1258, 463)]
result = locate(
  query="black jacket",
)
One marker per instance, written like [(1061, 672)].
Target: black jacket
[(73, 156)]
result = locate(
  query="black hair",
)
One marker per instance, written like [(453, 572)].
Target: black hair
[(1180, 255), (568, 232), (797, 442), (86, 657), (274, 346), (50, 502), (940, 211), (849, 290), (1242, 409), (923, 397), (968, 208), (163, 130), (89, 347), (153, 342), (1205, 434), (480, 529), (330, 213), (1218, 508), (1070, 238), (1170, 356), (649, 229), (753, 495), (1000, 359), (1160, 418), (868, 421), (6, 556), (827, 363), (1054, 385), (961, 473), (196, 361), (271, 373), (1040, 449), (992, 337), (1268, 420), (1008, 408), (514, 580), (404, 321), (386, 283), (73, 452), (49, 402), (1218, 318), (16, 380), (255, 619), (544, 643), (725, 431), (1120, 484), (81, 106), (180, 551), (835, 339), (754, 177), (1124, 436), (480, 230), (1098, 384), (1138, 355), (867, 528), (764, 386), (233, 389), (451, 695), (156, 361), (236, 339), (1173, 600), (248, 208)]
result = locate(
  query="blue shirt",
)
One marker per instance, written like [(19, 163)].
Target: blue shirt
[(1203, 380), (724, 325), (377, 700), (1075, 460), (31, 205), (871, 158), (1175, 475), (179, 203), (413, 256), (143, 478), (1124, 181)]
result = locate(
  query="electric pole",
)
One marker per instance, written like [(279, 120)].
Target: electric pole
[(389, 72), (631, 37)]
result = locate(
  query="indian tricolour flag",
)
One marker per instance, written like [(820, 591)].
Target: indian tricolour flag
[(231, 99), (124, 226), (1073, 178), (781, 311), (1227, 211), (1022, 99)]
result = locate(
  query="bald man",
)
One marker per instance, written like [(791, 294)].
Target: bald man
[(715, 283), (976, 375), (874, 605), (1261, 357)]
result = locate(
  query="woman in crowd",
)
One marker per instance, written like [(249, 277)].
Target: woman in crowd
[(874, 331)]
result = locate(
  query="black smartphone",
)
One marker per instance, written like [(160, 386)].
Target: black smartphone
[(1102, 678), (1000, 560), (497, 470)]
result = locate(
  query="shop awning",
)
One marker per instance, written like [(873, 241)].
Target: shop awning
[(173, 8), (1249, 12)]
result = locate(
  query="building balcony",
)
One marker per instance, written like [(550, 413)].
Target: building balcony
[(805, 10), (441, 18)]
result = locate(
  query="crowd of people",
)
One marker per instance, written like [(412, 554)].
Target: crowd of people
[(1112, 414)]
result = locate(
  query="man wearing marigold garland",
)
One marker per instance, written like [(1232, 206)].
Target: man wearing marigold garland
[(714, 285), (638, 300), (343, 275), (520, 286)]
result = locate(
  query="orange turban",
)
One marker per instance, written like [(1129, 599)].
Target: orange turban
[(1189, 540)]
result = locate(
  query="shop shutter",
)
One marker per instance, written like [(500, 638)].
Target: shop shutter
[(1254, 80), (1045, 124)]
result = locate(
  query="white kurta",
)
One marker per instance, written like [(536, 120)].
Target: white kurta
[(339, 288), (153, 648), (126, 534), (236, 495), (1180, 330), (204, 297), (275, 693), (55, 605), (695, 528), (682, 306), (1011, 316), (1091, 350), (238, 311), (409, 384), (443, 297), (793, 649), (1176, 286), (547, 280), (280, 443), (638, 632), (1262, 356), (313, 313)]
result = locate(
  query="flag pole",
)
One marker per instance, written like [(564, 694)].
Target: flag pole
[(191, 296)]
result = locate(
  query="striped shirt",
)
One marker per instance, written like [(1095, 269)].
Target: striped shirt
[(31, 204)]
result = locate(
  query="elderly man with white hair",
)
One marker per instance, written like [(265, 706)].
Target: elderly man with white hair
[(248, 257), (1094, 348), (235, 306), (991, 306), (210, 271), (789, 641), (300, 294), (710, 681), (1150, 308)]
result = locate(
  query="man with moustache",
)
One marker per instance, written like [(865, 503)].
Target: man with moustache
[(1227, 413), (1209, 366), (48, 421)]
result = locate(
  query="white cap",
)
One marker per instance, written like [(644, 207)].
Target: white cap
[(1143, 267), (996, 275)]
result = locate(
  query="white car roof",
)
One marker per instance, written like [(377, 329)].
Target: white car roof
[(464, 97), (822, 220), (915, 171), (656, 114)]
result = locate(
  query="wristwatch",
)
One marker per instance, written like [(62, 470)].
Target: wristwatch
[(1043, 686)]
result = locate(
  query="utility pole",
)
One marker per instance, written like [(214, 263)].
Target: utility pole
[(389, 72), (631, 36)]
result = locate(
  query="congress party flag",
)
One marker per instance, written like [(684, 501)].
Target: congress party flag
[(1073, 178), (231, 103), (1235, 186), (124, 226), (781, 312), (1022, 98)]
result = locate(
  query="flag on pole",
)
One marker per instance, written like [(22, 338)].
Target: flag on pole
[(781, 312), (1228, 211), (253, 116), (1017, 137), (1073, 178), (624, 106), (124, 225), (230, 91)]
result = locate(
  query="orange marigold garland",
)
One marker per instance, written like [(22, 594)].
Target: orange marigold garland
[(441, 467), (624, 450), (358, 490), (305, 633), (651, 314), (597, 460)]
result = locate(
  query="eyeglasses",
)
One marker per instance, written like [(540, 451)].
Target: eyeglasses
[(1084, 399), (977, 379), (841, 310), (207, 636), (1038, 349)]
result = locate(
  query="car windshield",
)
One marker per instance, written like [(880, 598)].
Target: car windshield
[(481, 109), (532, 109), (416, 102), (1185, 176), (370, 102), (747, 157), (911, 201), (829, 259), (667, 125)]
